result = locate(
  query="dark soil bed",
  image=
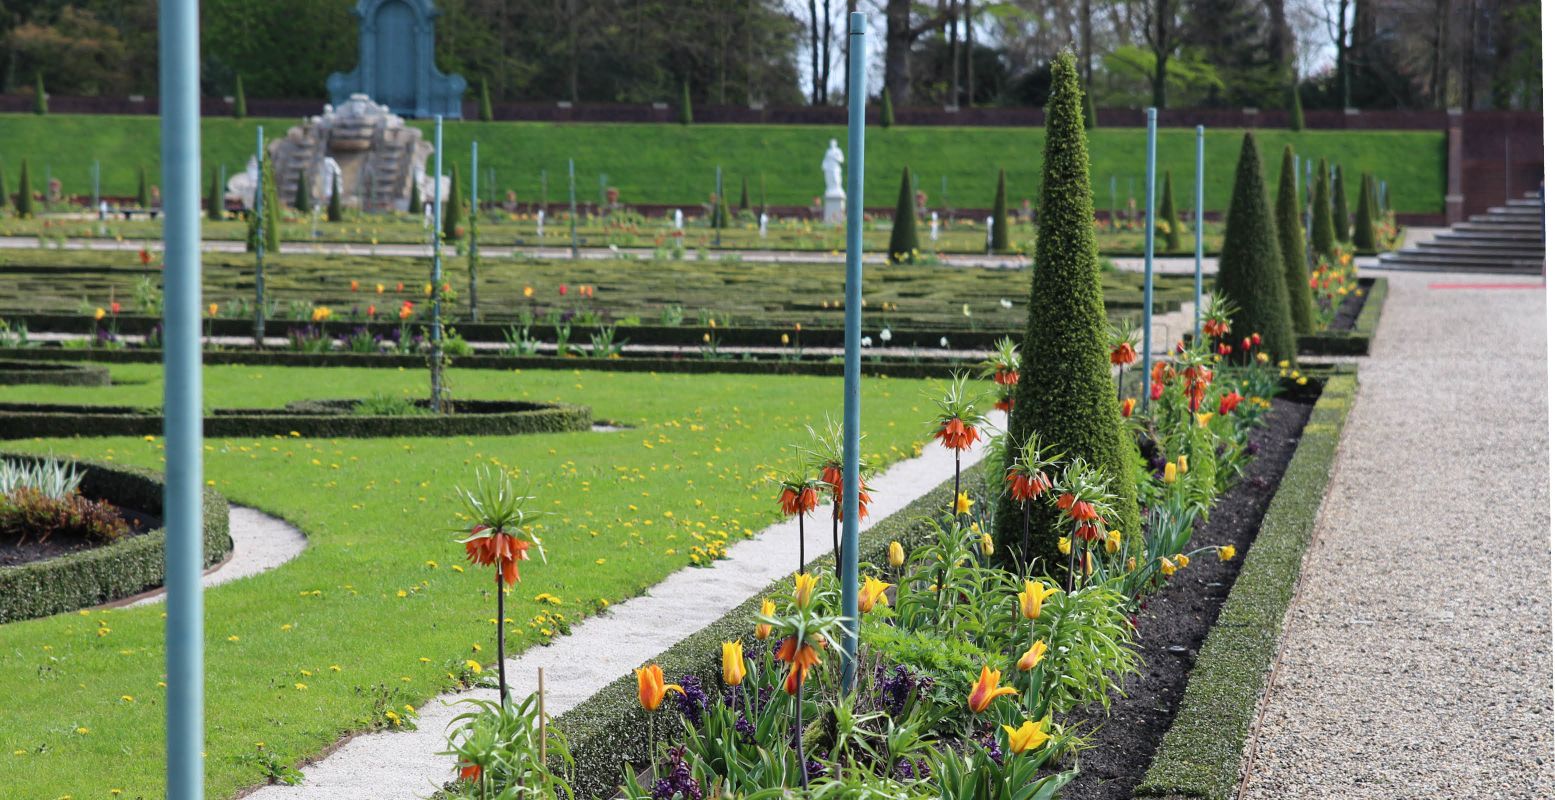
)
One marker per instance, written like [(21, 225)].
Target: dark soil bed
[(1175, 620), (1349, 310), (13, 554)]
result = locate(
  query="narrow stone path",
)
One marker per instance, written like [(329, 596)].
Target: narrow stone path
[(404, 765), (1416, 660), (260, 542)]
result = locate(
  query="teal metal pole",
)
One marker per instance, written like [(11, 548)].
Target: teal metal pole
[(1149, 251), (475, 213), (1198, 232), (259, 237), (437, 272), (179, 82), (853, 331)]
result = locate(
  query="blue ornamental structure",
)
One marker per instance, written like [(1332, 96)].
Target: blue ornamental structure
[(395, 66)]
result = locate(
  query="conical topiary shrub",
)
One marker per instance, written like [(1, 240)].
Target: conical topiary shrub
[(239, 102), (453, 206), (1322, 214), (40, 98), (1001, 218), (685, 102), (1298, 120), (335, 213), (24, 192), (1251, 269), (1365, 224), (486, 115), (302, 199), (271, 211), (1341, 207), (904, 225), (745, 194), (5, 197), (143, 190), (887, 114), (416, 203), (1089, 109), (1293, 247), (215, 208), (1168, 215), (1065, 394)]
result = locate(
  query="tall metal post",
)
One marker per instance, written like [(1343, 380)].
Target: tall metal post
[(179, 81), (1149, 251), (475, 214), (437, 271), (1198, 231), (572, 205), (853, 330), (259, 237)]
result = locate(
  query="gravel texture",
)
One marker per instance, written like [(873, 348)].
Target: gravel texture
[(260, 542), (1417, 657), (405, 765)]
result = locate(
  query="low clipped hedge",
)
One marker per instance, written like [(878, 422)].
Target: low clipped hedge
[(114, 571), (1357, 340), (17, 372), (319, 419), (1201, 755), (604, 732)]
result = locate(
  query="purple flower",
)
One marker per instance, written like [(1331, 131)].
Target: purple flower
[(692, 700)]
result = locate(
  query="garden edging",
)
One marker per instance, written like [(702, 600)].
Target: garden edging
[(1357, 340), (15, 372)]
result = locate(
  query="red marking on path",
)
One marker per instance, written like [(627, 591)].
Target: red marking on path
[(1486, 286)]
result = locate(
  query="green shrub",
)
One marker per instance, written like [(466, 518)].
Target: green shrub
[(904, 224), (685, 102), (335, 212), (214, 208), (1089, 110), (414, 206), (1169, 216), (1293, 247), (1251, 268), (5, 196), (1001, 218), (1298, 120), (1323, 239), (486, 115), (745, 194), (453, 206), (384, 405), (24, 192), (270, 213), (1065, 394), (887, 114), (143, 189), (40, 98), (239, 101), (1341, 207), (303, 199), (1365, 221)]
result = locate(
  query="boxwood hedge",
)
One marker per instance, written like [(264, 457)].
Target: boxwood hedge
[(1357, 340), (16, 372), (111, 572)]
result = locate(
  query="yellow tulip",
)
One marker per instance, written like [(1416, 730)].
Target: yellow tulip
[(213, 308), (896, 555), (1169, 473), (1114, 542), (1227, 552), (987, 545), (1032, 657), (763, 630), (734, 663), (1063, 545), (963, 503), (873, 591), (1130, 564), (1031, 597), (985, 690), (1182, 463), (651, 687), (804, 588), (1205, 418), (1029, 736), (99, 314)]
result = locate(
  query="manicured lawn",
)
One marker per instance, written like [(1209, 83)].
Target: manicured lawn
[(774, 294), (375, 614), (675, 164)]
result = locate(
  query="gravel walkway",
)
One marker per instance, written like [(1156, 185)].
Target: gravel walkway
[(260, 542), (404, 765), (1417, 659)]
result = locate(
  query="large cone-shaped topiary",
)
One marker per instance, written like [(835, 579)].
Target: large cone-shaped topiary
[(453, 206), (271, 211), (1251, 269), (1293, 247), (1322, 214), (1365, 219), (215, 205), (1341, 207), (1065, 394), (1001, 218), (1168, 215), (904, 226)]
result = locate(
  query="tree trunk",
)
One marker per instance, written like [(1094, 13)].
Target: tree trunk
[(898, 47), (971, 75), (1162, 47), (1342, 57), (1085, 44), (953, 85), (815, 55), (1281, 42), (826, 35)]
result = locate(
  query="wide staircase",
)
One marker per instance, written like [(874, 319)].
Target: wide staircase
[(1506, 239)]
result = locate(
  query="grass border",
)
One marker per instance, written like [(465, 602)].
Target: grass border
[(17, 372), (1201, 754), (112, 572), (1357, 340)]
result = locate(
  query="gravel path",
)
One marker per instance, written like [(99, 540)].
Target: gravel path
[(1417, 659), (260, 542), (404, 765)]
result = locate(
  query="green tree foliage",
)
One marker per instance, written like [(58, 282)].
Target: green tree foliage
[(5, 197), (40, 98), (720, 218), (904, 224), (745, 194), (239, 99), (416, 201), (887, 114), (453, 206), (1293, 246), (685, 102), (215, 209), (302, 200), (486, 115), (1001, 218), (1168, 215), (1065, 395), (1365, 221), (1323, 239), (1341, 207), (271, 212), (143, 189), (1298, 120), (24, 192), (1251, 267), (334, 212), (1089, 110)]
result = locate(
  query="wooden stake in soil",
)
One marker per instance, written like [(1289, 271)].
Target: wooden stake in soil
[(540, 698)]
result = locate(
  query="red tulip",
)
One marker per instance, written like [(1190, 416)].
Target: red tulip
[(1128, 407)]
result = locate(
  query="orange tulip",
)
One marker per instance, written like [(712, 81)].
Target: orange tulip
[(985, 690), (1032, 657), (763, 630), (651, 687)]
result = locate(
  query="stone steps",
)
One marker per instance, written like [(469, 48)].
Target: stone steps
[(1504, 239)]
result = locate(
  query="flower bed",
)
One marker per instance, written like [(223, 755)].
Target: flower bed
[(14, 372), (1352, 332), (314, 419), (128, 566)]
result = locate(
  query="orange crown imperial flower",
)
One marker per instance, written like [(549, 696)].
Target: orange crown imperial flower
[(798, 500), (503, 549), (800, 658), (955, 434)]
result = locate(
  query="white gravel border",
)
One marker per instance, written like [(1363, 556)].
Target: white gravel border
[(260, 542)]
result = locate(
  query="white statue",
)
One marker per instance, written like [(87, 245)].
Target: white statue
[(680, 219), (332, 175), (834, 199), (241, 185)]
